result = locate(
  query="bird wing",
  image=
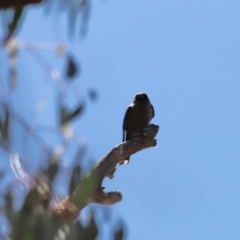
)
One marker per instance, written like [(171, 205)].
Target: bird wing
[(153, 112), (128, 111)]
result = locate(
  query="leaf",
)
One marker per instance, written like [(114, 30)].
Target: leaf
[(12, 78), (67, 116), (84, 190), (85, 233), (72, 67), (91, 232), (77, 232), (4, 126), (55, 226), (75, 179), (31, 201), (40, 227), (63, 115), (93, 95), (119, 234), (53, 164), (76, 111), (24, 221), (13, 25), (9, 205)]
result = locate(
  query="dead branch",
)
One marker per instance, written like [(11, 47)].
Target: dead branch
[(17, 3), (90, 190)]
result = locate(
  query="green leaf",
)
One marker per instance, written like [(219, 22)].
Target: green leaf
[(9, 206), (40, 227), (22, 228), (75, 179), (13, 25), (84, 190)]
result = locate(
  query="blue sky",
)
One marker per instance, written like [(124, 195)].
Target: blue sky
[(186, 56)]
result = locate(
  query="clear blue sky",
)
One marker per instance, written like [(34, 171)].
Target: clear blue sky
[(186, 56)]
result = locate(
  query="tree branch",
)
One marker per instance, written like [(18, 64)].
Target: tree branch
[(90, 190), (17, 3)]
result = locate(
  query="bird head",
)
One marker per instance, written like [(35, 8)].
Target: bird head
[(141, 97)]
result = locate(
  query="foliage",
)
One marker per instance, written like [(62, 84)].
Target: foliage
[(42, 215)]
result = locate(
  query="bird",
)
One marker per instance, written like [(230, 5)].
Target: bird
[(137, 117)]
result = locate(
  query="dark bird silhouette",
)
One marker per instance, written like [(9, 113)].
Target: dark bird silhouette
[(137, 117)]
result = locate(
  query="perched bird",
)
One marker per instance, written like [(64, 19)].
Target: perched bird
[(137, 117)]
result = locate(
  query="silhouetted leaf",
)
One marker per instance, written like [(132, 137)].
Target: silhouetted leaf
[(12, 77), (72, 68), (67, 116), (52, 170), (40, 226), (85, 17), (30, 202), (106, 213), (93, 95), (91, 231), (24, 221), (13, 25), (77, 111), (77, 232), (63, 115), (54, 226), (53, 165), (4, 126), (119, 234), (9, 205)]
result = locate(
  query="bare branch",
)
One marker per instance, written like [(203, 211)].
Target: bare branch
[(90, 190), (17, 3), (107, 165)]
